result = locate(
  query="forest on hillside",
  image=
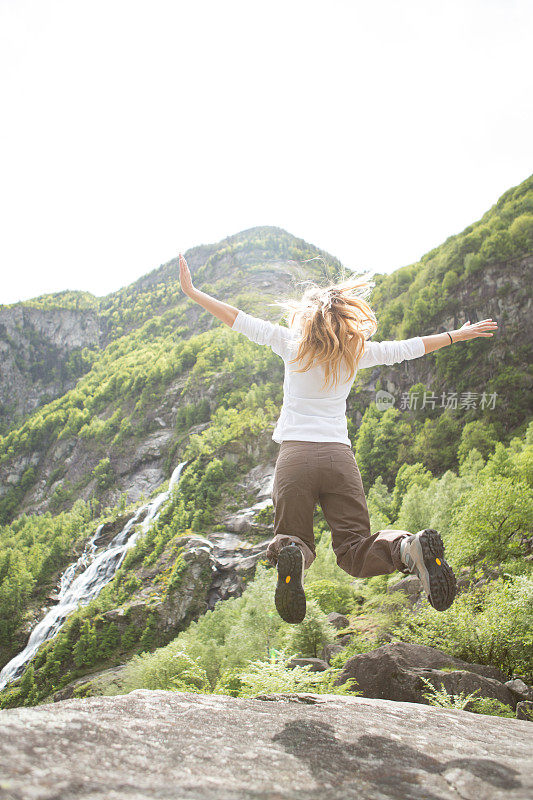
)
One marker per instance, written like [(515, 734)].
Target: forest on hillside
[(484, 511)]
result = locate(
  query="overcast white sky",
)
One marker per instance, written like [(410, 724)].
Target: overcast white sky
[(133, 130)]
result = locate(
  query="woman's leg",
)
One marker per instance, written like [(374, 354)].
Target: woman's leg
[(293, 501), (359, 552)]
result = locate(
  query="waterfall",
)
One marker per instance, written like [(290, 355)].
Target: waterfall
[(99, 570)]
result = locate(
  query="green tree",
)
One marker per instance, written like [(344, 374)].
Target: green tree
[(492, 523), (379, 501), (436, 443), (521, 232), (331, 596), (104, 474), (85, 651), (451, 279), (408, 475), (109, 641), (379, 443), (479, 435), (130, 637), (27, 683), (310, 636), (150, 634)]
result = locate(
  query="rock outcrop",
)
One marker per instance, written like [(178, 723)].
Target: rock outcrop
[(40, 355), (395, 671), (497, 292), (159, 744)]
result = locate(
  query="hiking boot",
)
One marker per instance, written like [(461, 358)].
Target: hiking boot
[(423, 555), (290, 595)]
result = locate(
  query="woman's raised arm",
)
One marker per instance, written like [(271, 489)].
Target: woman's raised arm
[(462, 334), (223, 311)]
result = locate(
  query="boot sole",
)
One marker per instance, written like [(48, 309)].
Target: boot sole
[(290, 596), (442, 582)]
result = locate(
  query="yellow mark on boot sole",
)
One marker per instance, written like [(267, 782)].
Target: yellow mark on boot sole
[(287, 579), (438, 561)]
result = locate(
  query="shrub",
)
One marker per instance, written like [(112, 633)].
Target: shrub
[(443, 699), (491, 624), (451, 279), (331, 596), (274, 675), (189, 677), (358, 645), (521, 231), (492, 523), (310, 636), (491, 706), (479, 435), (472, 263), (103, 472), (471, 702)]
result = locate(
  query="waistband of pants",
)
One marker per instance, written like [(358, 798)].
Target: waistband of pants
[(302, 444)]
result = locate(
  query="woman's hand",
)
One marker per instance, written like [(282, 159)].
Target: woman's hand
[(468, 331), (185, 276)]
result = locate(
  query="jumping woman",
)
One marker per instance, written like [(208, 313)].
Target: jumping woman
[(322, 349)]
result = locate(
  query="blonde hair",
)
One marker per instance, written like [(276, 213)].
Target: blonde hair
[(334, 320)]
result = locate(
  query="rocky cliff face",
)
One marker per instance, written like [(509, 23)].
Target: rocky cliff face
[(501, 292), (161, 744), (41, 355)]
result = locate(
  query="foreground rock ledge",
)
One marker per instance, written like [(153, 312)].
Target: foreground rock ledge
[(159, 744)]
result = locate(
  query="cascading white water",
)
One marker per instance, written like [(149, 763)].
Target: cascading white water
[(99, 571)]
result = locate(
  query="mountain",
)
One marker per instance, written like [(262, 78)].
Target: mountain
[(123, 370), (113, 384), (103, 398), (48, 342)]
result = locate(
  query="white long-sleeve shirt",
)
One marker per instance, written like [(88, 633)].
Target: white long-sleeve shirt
[(309, 412)]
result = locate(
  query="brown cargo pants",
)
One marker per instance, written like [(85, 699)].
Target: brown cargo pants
[(327, 473)]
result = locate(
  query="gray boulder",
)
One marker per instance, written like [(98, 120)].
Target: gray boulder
[(524, 710), (338, 621), (316, 664), (520, 689), (394, 672), (344, 640), (331, 650), (335, 647), (410, 586), (151, 745)]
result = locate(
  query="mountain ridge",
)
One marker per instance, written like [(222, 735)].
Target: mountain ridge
[(50, 355)]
